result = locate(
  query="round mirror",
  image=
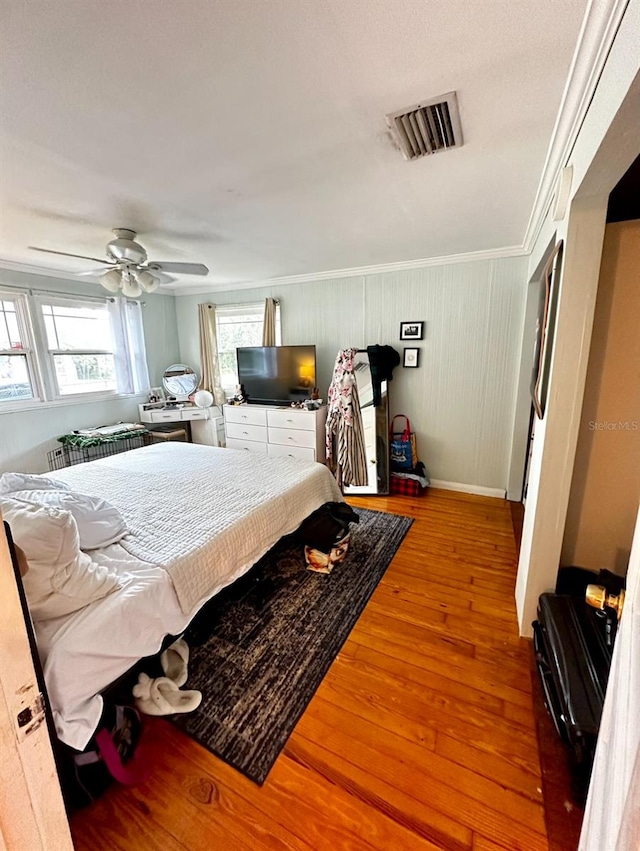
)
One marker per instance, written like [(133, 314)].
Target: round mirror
[(179, 380)]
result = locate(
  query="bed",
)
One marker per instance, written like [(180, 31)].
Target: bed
[(198, 518)]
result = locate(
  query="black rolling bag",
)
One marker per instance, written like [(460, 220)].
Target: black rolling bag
[(573, 645)]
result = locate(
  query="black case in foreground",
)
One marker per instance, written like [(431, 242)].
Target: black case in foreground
[(573, 645)]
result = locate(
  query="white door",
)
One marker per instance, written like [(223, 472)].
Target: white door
[(612, 816), (32, 814)]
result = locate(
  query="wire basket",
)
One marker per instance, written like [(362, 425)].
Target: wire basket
[(69, 455)]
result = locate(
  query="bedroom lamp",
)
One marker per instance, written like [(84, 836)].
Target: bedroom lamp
[(203, 399)]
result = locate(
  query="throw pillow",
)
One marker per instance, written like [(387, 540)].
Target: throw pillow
[(61, 578), (99, 523), (10, 482)]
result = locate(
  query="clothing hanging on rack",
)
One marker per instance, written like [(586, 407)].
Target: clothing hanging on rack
[(382, 361), (346, 453)]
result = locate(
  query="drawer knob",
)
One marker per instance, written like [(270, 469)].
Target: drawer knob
[(289, 438), (245, 432)]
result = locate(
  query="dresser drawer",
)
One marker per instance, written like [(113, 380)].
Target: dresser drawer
[(194, 414), (292, 452), (292, 418), (164, 416), (292, 437), (240, 431), (245, 414), (250, 445)]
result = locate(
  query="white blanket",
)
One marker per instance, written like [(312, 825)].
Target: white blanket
[(86, 651), (169, 494), (197, 510)]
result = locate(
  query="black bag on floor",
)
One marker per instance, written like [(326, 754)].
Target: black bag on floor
[(326, 526), (112, 754)]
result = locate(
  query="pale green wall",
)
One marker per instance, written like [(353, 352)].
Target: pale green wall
[(461, 399), (26, 436)]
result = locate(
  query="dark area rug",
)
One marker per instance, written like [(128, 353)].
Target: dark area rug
[(260, 649)]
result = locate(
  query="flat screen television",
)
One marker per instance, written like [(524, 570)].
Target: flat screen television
[(277, 375)]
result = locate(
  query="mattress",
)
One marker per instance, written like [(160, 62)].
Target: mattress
[(194, 510), (198, 518)]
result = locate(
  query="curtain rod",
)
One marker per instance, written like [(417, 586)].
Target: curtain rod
[(241, 304), (82, 297), (35, 291)]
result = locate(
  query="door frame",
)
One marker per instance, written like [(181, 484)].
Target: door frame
[(32, 812)]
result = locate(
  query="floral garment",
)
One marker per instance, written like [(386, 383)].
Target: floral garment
[(346, 454)]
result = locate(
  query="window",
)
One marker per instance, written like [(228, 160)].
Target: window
[(80, 344), (236, 326), (17, 377), (57, 347)]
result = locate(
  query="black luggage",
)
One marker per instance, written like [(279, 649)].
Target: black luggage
[(573, 646)]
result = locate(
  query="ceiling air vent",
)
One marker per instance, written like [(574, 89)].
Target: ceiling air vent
[(427, 127)]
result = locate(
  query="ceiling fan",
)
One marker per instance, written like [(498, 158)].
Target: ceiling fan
[(127, 268)]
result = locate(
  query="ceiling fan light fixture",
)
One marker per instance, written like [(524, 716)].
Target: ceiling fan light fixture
[(111, 280), (146, 280), (130, 287), (127, 269)]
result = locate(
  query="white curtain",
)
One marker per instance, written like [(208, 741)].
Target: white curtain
[(132, 373), (209, 358), (612, 815), (269, 324)]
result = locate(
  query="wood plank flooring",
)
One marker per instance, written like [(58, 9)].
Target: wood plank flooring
[(422, 735)]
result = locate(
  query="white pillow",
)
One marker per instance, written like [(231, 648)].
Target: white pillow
[(99, 522), (10, 482), (61, 578)]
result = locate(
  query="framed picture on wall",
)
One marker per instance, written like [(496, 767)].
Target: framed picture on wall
[(410, 358), (411, 330), (545, 330)]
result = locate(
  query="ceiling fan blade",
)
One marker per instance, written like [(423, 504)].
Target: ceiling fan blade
[(179, 268), (94, 271), (66, 254)]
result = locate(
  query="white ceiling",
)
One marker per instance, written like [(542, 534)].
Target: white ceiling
[(250, 134)]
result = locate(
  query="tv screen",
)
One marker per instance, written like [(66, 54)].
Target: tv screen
[(277, 375)]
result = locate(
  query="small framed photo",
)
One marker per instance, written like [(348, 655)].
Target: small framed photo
[(411, 357), (411, 330), (156, 394)]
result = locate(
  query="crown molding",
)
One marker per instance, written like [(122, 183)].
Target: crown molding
[(599, 28), (43, 271), (354, 271), (332, 274)]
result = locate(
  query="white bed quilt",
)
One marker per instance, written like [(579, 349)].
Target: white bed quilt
[(200, 512), (175, 498)]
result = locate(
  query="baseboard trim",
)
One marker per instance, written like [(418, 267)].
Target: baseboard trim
[(497, 493)]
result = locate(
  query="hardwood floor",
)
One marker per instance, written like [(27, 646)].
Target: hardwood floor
[(421, 736)]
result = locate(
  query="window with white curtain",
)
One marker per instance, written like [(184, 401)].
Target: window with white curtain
[(58, 347), (239, 325)]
